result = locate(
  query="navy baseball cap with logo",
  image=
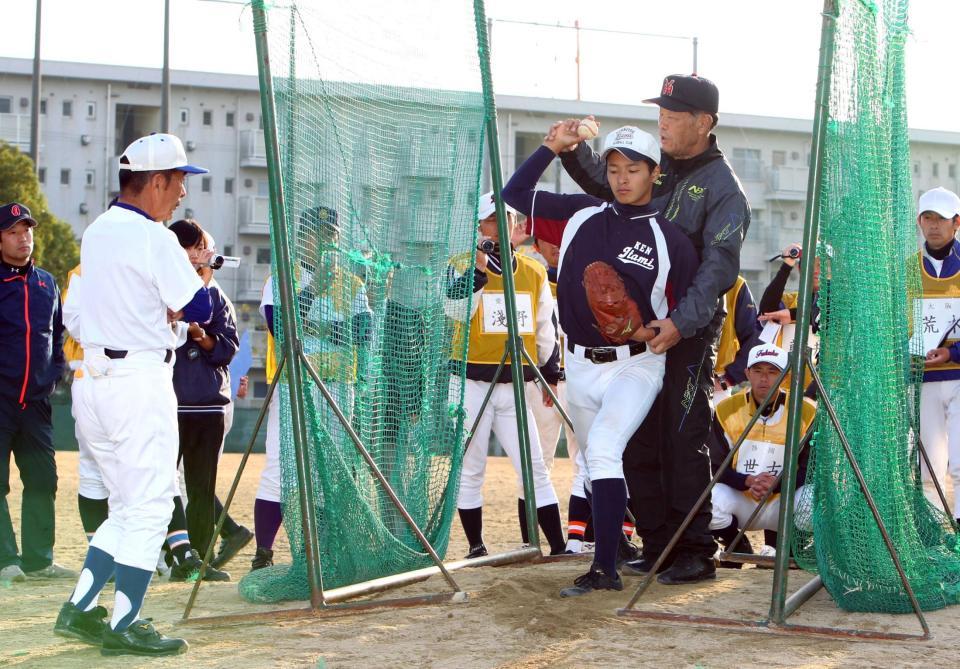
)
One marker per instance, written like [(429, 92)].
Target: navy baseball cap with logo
[(320, 216), (13, 213), (688, 93)]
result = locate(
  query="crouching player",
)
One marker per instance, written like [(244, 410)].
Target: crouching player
[(758, 463), (621, 266)]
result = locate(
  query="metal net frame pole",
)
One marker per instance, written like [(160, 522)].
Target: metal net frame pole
[(514, 342), (291, 334), (811, 229)]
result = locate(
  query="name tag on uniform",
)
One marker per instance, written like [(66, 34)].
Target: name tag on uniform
[(939, 317), (758, 457), (494, 310)]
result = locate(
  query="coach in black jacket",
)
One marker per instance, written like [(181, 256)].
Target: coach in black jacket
[(201, 380), (667, 463)]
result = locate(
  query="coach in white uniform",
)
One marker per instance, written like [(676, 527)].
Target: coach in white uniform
[(136, 281)]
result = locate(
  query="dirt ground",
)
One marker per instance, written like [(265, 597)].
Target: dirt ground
[(513, 616)]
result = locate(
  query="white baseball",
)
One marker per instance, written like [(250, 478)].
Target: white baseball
[(588, 129)]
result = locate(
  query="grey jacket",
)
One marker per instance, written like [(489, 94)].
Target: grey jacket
[(704, 198)]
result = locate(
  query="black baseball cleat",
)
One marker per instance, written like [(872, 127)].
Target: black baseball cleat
[(230, 546), (88, 626), (189, 570), (627, 551), (140, 639), (642, 566), (688, 568), (476, 551), (262, 558), (594, 579)]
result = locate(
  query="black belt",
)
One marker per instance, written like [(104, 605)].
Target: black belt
[(601, 354), (117, 355)]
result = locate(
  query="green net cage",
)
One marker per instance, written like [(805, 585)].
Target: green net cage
[(381, 114), (869, 297)]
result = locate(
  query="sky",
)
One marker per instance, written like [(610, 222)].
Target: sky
[(761, 53)]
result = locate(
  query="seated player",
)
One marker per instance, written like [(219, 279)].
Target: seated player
[(484, 350), (759, 461), (620, 267)]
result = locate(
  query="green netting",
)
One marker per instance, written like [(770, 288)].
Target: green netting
[(381, 117), (868, 297)]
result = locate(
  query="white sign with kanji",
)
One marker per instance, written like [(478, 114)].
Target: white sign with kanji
[(495, 313), (759, 457), (939, 317)]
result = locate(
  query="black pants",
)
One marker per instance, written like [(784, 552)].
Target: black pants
[(667, 461), (201, 435), (27, 432)]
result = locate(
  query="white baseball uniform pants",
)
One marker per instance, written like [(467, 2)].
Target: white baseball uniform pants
[(500, 418), (126, 412), (940, 433), (729, 503), (269, 489), (549, 423), (90, 482), (607, 402)]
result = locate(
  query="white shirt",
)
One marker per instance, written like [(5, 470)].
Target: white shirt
[(133, 271), (266, 298)]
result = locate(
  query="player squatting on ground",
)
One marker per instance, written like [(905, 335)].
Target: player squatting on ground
[(124, 403), (620, 267)]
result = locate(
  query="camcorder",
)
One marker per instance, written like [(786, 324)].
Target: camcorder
[(219, 262)]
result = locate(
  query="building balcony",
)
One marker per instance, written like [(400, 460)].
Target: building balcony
[(249, 284), (15, 130), (253, 149), (254, 215), (788, 183)]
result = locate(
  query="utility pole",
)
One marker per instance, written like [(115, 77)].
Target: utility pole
[(165, 83), (576, 26), (35, 98)]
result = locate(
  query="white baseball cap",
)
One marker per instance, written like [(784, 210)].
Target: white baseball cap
[(632, 142), (158, 152), (486, 206), (940, 200), (768, 353)]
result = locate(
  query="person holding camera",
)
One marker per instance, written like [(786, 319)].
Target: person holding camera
[(481, 355), (201, 380)]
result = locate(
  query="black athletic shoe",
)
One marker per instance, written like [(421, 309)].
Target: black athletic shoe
[(230, 546), (476, 551), (140, 639), (688, 568), (88, 626), (592, 580), (189, 571), (627, 551), (642, 566), (262, 558)]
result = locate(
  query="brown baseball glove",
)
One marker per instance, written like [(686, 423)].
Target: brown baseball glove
[(617, 315)]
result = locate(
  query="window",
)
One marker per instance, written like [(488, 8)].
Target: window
[(42, 175), (779, 158), (952, 171), (65, 177), (260, 389), (43, 106), (776, 220), (263, 188), (747, 164), (525, 143), (90, 178), (228, 186), (205, 184), (184, 116), (91, 110), (68, 107), (916, 169), (207, 117), (263, 255), (936, 170), (6, 105), (228, 249), (230, 118)]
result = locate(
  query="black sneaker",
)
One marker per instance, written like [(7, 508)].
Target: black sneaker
[(642, 566), (476, 551), (189, 571), (688, 568), (140, 639), (627, 551), (592, 580), (262, 558), (230, 546), (88, 626)]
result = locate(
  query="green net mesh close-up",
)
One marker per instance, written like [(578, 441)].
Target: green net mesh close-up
[(381, 116), (869, 295)]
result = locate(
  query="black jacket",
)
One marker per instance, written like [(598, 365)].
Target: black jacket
[(31, 332), (201, 378), (704, 198)]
